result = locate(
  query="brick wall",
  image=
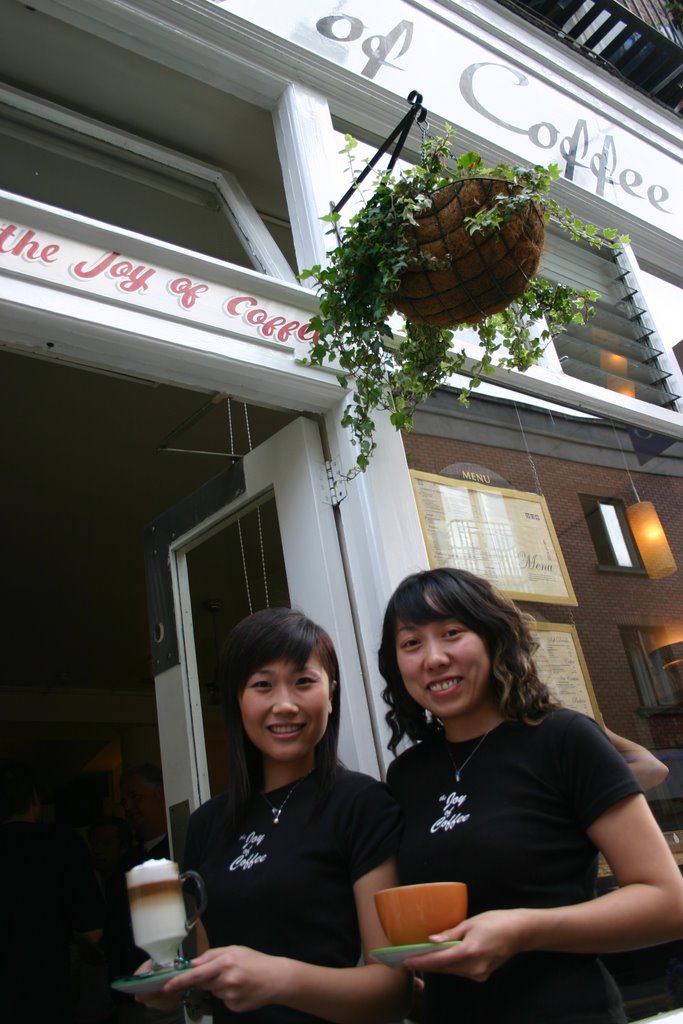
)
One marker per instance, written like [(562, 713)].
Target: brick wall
[(606, 600)]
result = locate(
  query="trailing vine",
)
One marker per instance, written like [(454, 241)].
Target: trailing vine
[(358, 285)]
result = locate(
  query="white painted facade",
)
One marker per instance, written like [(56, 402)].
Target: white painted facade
[(79, 290), (170, 314)]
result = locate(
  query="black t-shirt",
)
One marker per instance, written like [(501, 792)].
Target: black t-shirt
[(49, 890), (287, 889), (514, 829)]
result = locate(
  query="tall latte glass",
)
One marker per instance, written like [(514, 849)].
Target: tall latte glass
[(157, 909)]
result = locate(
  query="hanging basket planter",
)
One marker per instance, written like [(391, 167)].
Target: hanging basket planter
[(482, 272), (448, 243)]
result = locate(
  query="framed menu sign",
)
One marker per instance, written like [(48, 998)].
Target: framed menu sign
[(561, 664), (503, 535)]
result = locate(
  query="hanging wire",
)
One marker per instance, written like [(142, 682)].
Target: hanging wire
[(258, 517), (623, 455), (239, 521), (539, 489)]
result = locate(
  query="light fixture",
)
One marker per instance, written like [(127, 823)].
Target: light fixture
[(671, 655), (664, 646), (647, 530), (650, 539)]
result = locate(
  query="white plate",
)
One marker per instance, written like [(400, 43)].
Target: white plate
[(395, 955), (150, 982)]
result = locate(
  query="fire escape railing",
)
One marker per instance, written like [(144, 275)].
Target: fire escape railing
[(610, 34)]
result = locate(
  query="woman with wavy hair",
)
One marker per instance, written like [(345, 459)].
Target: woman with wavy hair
[(515, 795)]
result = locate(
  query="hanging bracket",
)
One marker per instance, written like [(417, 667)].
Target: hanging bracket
[(417, 113)]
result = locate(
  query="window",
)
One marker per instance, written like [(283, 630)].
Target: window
[(88, 167), (655, 654), (618, 347), (611, 535)]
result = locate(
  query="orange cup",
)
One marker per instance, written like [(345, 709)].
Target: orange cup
[(411, 913)]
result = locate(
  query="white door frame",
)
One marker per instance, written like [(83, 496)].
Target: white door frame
[(290, 466)]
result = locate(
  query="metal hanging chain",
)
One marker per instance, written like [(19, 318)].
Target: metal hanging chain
[(244, 567), (230, 430), (400, 133), (239, 521), (258, 516)]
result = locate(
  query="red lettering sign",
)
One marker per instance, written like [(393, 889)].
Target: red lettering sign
[(187, 292), (131, 277), (135, 278), (14, 242), (246, 308)]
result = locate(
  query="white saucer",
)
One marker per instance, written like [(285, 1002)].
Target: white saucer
[(395, 955), (152, 981)]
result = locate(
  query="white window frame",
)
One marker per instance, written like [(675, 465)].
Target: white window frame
[(259, 245), (562, 260)]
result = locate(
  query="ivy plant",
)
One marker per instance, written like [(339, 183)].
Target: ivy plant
[(358, 283)]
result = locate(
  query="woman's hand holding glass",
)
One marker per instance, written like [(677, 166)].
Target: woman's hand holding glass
[(242, 978), (157, 1000)]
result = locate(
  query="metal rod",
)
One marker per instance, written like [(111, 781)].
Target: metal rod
[(196, 451)]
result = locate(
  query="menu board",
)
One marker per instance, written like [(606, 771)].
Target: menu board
[(503, 535), (561, 664)]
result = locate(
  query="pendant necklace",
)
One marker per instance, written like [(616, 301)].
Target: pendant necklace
[(277, 811), (459, 769)]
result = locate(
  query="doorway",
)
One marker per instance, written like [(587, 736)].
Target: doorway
[(279, 494), (223, 591), (88, 459)]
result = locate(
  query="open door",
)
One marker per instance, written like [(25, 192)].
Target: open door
[(279, 493)]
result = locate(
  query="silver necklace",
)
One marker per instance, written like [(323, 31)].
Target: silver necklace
[(459, 770), (277, 811)]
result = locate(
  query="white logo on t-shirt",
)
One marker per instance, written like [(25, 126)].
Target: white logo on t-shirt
[(452, 815), (248, 857)]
